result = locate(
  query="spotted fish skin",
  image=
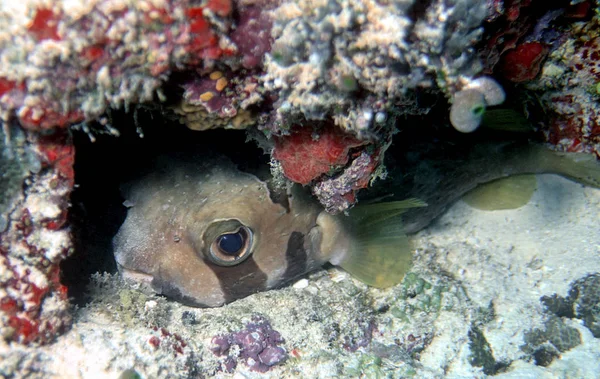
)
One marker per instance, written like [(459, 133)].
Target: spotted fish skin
[(166, 238)]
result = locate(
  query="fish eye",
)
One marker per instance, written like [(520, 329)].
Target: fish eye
[(231, 248)]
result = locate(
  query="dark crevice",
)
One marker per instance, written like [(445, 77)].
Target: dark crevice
[(97, 212)]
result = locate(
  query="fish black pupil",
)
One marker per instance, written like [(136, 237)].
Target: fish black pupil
[(231, 243)]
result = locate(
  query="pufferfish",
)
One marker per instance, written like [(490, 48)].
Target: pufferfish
[(206, 234)]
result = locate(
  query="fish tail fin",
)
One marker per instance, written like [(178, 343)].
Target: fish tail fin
[(581, 167), (506, 193), (379, 253)]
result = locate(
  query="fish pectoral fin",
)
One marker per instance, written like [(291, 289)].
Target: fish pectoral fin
[(507, 193), (380, 253)]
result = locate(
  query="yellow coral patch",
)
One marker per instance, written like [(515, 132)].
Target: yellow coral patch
[(206, 96), (221, 84), (215, 75)]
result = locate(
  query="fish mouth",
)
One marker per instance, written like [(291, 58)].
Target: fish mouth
[(137, 276)]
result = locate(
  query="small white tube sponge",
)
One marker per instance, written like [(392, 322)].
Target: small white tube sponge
[(491, 90), (467, 110), (469, 104)]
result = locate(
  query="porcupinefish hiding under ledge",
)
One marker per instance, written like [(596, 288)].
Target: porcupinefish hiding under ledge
[(206, 234)]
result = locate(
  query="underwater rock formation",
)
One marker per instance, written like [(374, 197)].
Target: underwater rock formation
[(218, 101), (351, 61), (552, 55), (88, 56), (582, 302), (568, 88), (269, 66), (37, 178)]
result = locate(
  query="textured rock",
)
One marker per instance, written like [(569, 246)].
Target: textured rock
[(35, 237)]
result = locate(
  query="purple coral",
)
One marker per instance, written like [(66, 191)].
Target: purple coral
[(338, 193), (253, 35), (366, 328), (257, 344)]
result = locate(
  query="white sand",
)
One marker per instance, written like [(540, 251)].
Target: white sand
[(514, 257)]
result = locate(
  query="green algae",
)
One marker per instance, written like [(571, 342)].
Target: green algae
[(130, 374), (349, 83), (419, 295), (127, 304), (366, 364)]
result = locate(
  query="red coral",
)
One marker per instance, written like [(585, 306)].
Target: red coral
[(36, 294), (509, 22), (59, 152), (45, 25), (524, 62), (54, 278), (221, 7), (93, 52), (513, 8), (47, 118), (573, 115), (177, 343), (579, 10), (586, 60), (204, 42), (181, 36), (197, 22), (6, 86), (305, 155), (574, 125), (9, 306), (154, 342), (25, 330)]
